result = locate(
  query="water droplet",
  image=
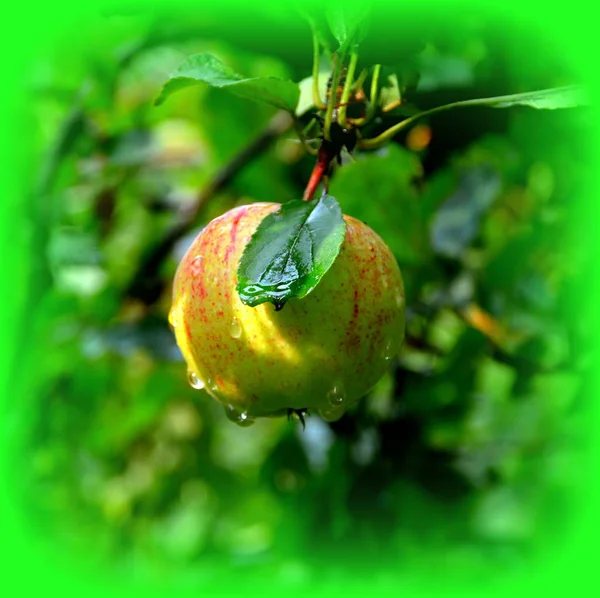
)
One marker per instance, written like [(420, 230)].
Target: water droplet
[(399, 299), (172, 320), (278, 304), (253, 289), (388, 352), (195, 381), (332, 414), (336, 395), (236, 328), (241, 418), (382, 275), (276, 293)]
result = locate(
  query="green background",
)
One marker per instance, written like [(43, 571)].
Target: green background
[(38, 558)]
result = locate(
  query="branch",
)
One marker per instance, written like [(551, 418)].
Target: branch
[(146, 284)]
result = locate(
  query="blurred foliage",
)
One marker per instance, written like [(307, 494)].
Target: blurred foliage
[(466, 453)]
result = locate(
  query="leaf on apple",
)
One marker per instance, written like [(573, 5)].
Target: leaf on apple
[(205, 68), (291, 251)]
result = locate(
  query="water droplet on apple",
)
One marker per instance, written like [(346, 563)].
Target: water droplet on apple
[(399, 299), (278, 305), (388, 350), (195, 381), (253, 289), (332, 414), (382, 277), (171, 318), (241, 418), (255, 294), (336, 395), (236, 328)]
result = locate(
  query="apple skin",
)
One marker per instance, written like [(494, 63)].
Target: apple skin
[(322, 352)]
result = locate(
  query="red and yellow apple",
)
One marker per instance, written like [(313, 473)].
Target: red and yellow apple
[(322, 352)]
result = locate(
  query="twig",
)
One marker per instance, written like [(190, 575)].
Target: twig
[(348, 86), (146, 284)]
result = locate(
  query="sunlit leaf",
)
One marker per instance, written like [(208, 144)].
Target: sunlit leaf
[(205, 68), (544, 99)]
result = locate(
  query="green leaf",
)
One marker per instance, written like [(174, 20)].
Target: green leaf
[(291, 251), (348, 23), (544, 99), (205, 68)]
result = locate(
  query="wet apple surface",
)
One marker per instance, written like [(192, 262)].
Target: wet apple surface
[(322, 352)]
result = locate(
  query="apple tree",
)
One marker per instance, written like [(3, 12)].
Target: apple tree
[(373, 227)]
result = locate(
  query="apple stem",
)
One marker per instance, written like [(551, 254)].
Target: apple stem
[(320, 171)]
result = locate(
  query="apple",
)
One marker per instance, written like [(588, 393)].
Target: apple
[(322, 352)]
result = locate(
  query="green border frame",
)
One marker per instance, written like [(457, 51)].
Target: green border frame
[(32, 569)]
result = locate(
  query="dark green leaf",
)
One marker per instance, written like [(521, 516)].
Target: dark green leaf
[(457, 221), (205, 68), (291, 251), (73, 129), (441, 71)]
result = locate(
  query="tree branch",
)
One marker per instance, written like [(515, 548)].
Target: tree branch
[(146, 284)]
